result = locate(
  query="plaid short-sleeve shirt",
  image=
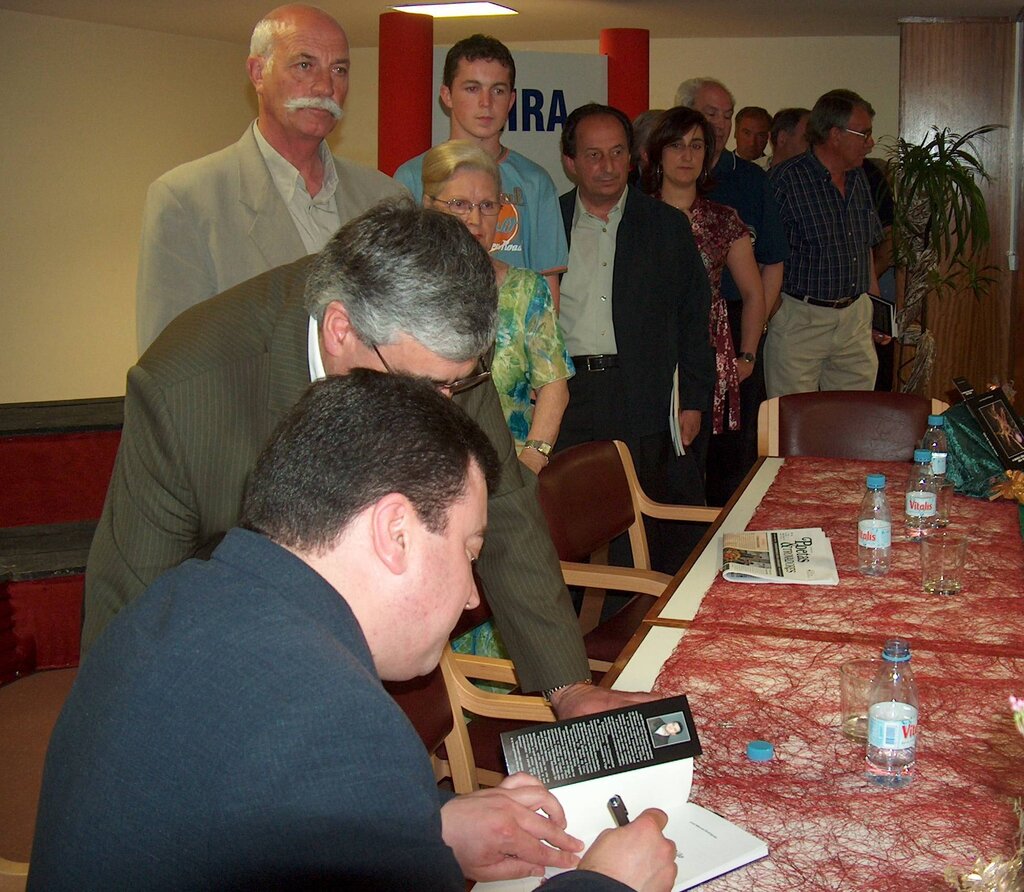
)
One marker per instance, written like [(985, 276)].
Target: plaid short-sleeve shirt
[(830, 235)]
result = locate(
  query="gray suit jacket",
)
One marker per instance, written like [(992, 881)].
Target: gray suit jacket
[(201, 403), (218, 221)]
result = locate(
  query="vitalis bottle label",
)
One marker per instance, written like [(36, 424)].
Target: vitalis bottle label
[(921, 503), (874, 534)]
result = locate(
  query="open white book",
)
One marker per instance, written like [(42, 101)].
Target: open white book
[(643, 755), (803, 556)]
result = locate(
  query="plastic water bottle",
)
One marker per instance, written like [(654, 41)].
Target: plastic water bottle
[(874, 529), (922, 501), (892, 718), (935, 440)]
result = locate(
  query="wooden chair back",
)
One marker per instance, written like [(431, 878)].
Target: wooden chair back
[(851, 424)]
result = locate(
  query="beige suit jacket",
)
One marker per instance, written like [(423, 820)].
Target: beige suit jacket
[(200, 404), (217, 221)]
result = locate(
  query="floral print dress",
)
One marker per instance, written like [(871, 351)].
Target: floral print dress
[(530, 350), (715, 228)]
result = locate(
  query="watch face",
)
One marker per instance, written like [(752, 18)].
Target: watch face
[(747, 357)]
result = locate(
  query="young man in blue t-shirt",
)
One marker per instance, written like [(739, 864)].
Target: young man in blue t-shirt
[(479, 90)]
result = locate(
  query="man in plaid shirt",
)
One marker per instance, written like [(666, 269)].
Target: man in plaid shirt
[(820, 339)]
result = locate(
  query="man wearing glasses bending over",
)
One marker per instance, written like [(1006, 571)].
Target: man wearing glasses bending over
[(400, 289)]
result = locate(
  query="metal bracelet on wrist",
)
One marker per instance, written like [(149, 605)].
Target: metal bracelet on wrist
[(552, 691)]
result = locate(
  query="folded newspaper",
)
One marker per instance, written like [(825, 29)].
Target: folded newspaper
[(791, 556)]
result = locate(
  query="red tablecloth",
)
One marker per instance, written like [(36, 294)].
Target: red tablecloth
[(762, 661), (987, 617), (827, 826)]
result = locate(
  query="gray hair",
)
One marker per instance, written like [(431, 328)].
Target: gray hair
[(643, 126), (263, 36), (688, 90), (833, 109), (442, 162), (269, 28), (402, 269)]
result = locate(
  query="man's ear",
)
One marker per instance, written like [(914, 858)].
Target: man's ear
[(393, 527), (336, 332), (255, 65), (446, 97)]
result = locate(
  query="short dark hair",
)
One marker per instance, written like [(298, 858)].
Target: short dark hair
[(750, 111), (350, 441), (833, 109), (400, 269), (478, 46), (673, 125), (785, 120), (590, 110)]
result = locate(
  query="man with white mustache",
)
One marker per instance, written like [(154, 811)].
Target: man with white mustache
[(271, 198)]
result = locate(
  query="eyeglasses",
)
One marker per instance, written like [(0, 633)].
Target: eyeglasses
[(449, 387), (863, 134), (463, 207)]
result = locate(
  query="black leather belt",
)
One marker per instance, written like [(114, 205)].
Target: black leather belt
[(840, 304), (596, 362)]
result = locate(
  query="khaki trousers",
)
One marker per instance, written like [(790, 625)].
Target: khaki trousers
[(812, 348)]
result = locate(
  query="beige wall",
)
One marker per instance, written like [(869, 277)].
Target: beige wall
[(774, 72), (93, 113)]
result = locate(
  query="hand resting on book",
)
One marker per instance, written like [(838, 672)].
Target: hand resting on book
[(497, 834)]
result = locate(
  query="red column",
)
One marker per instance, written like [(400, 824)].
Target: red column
[(629, 68), (405, 88)]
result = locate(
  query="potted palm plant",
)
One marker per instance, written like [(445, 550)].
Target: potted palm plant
[(940, 233)]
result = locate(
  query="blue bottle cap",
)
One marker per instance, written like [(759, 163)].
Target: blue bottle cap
[(896, 650), (760, 751), (922, 455), (936, 421), (876, 481)]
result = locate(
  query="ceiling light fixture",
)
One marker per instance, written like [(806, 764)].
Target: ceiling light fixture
[(457, 10)]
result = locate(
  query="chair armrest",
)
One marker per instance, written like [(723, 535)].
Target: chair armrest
[(626, 579), (13, 868), (697, 513), (486, 668), (484, 703)]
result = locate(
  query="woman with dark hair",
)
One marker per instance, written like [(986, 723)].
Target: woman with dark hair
[(679, 154)]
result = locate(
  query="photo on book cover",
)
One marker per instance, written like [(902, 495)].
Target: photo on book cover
[(604, 744), (1002, 426)]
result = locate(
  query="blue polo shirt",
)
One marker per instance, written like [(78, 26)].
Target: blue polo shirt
[(742, 185)]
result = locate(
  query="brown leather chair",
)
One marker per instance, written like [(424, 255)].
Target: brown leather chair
[(855, 424), (590, 494), (29, 708)]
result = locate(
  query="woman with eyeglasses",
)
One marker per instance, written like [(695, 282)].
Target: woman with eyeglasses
[(530, 356), (679, 153)]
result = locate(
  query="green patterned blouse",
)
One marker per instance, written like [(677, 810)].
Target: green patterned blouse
[(530, 351)]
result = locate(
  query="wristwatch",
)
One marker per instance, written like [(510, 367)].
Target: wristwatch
[(746, 357), (542, 447)]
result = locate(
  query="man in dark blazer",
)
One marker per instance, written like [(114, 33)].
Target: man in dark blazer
[(399, 288), (245, 740), (635, 306)]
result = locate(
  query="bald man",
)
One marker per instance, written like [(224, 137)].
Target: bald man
[(276, 195)]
